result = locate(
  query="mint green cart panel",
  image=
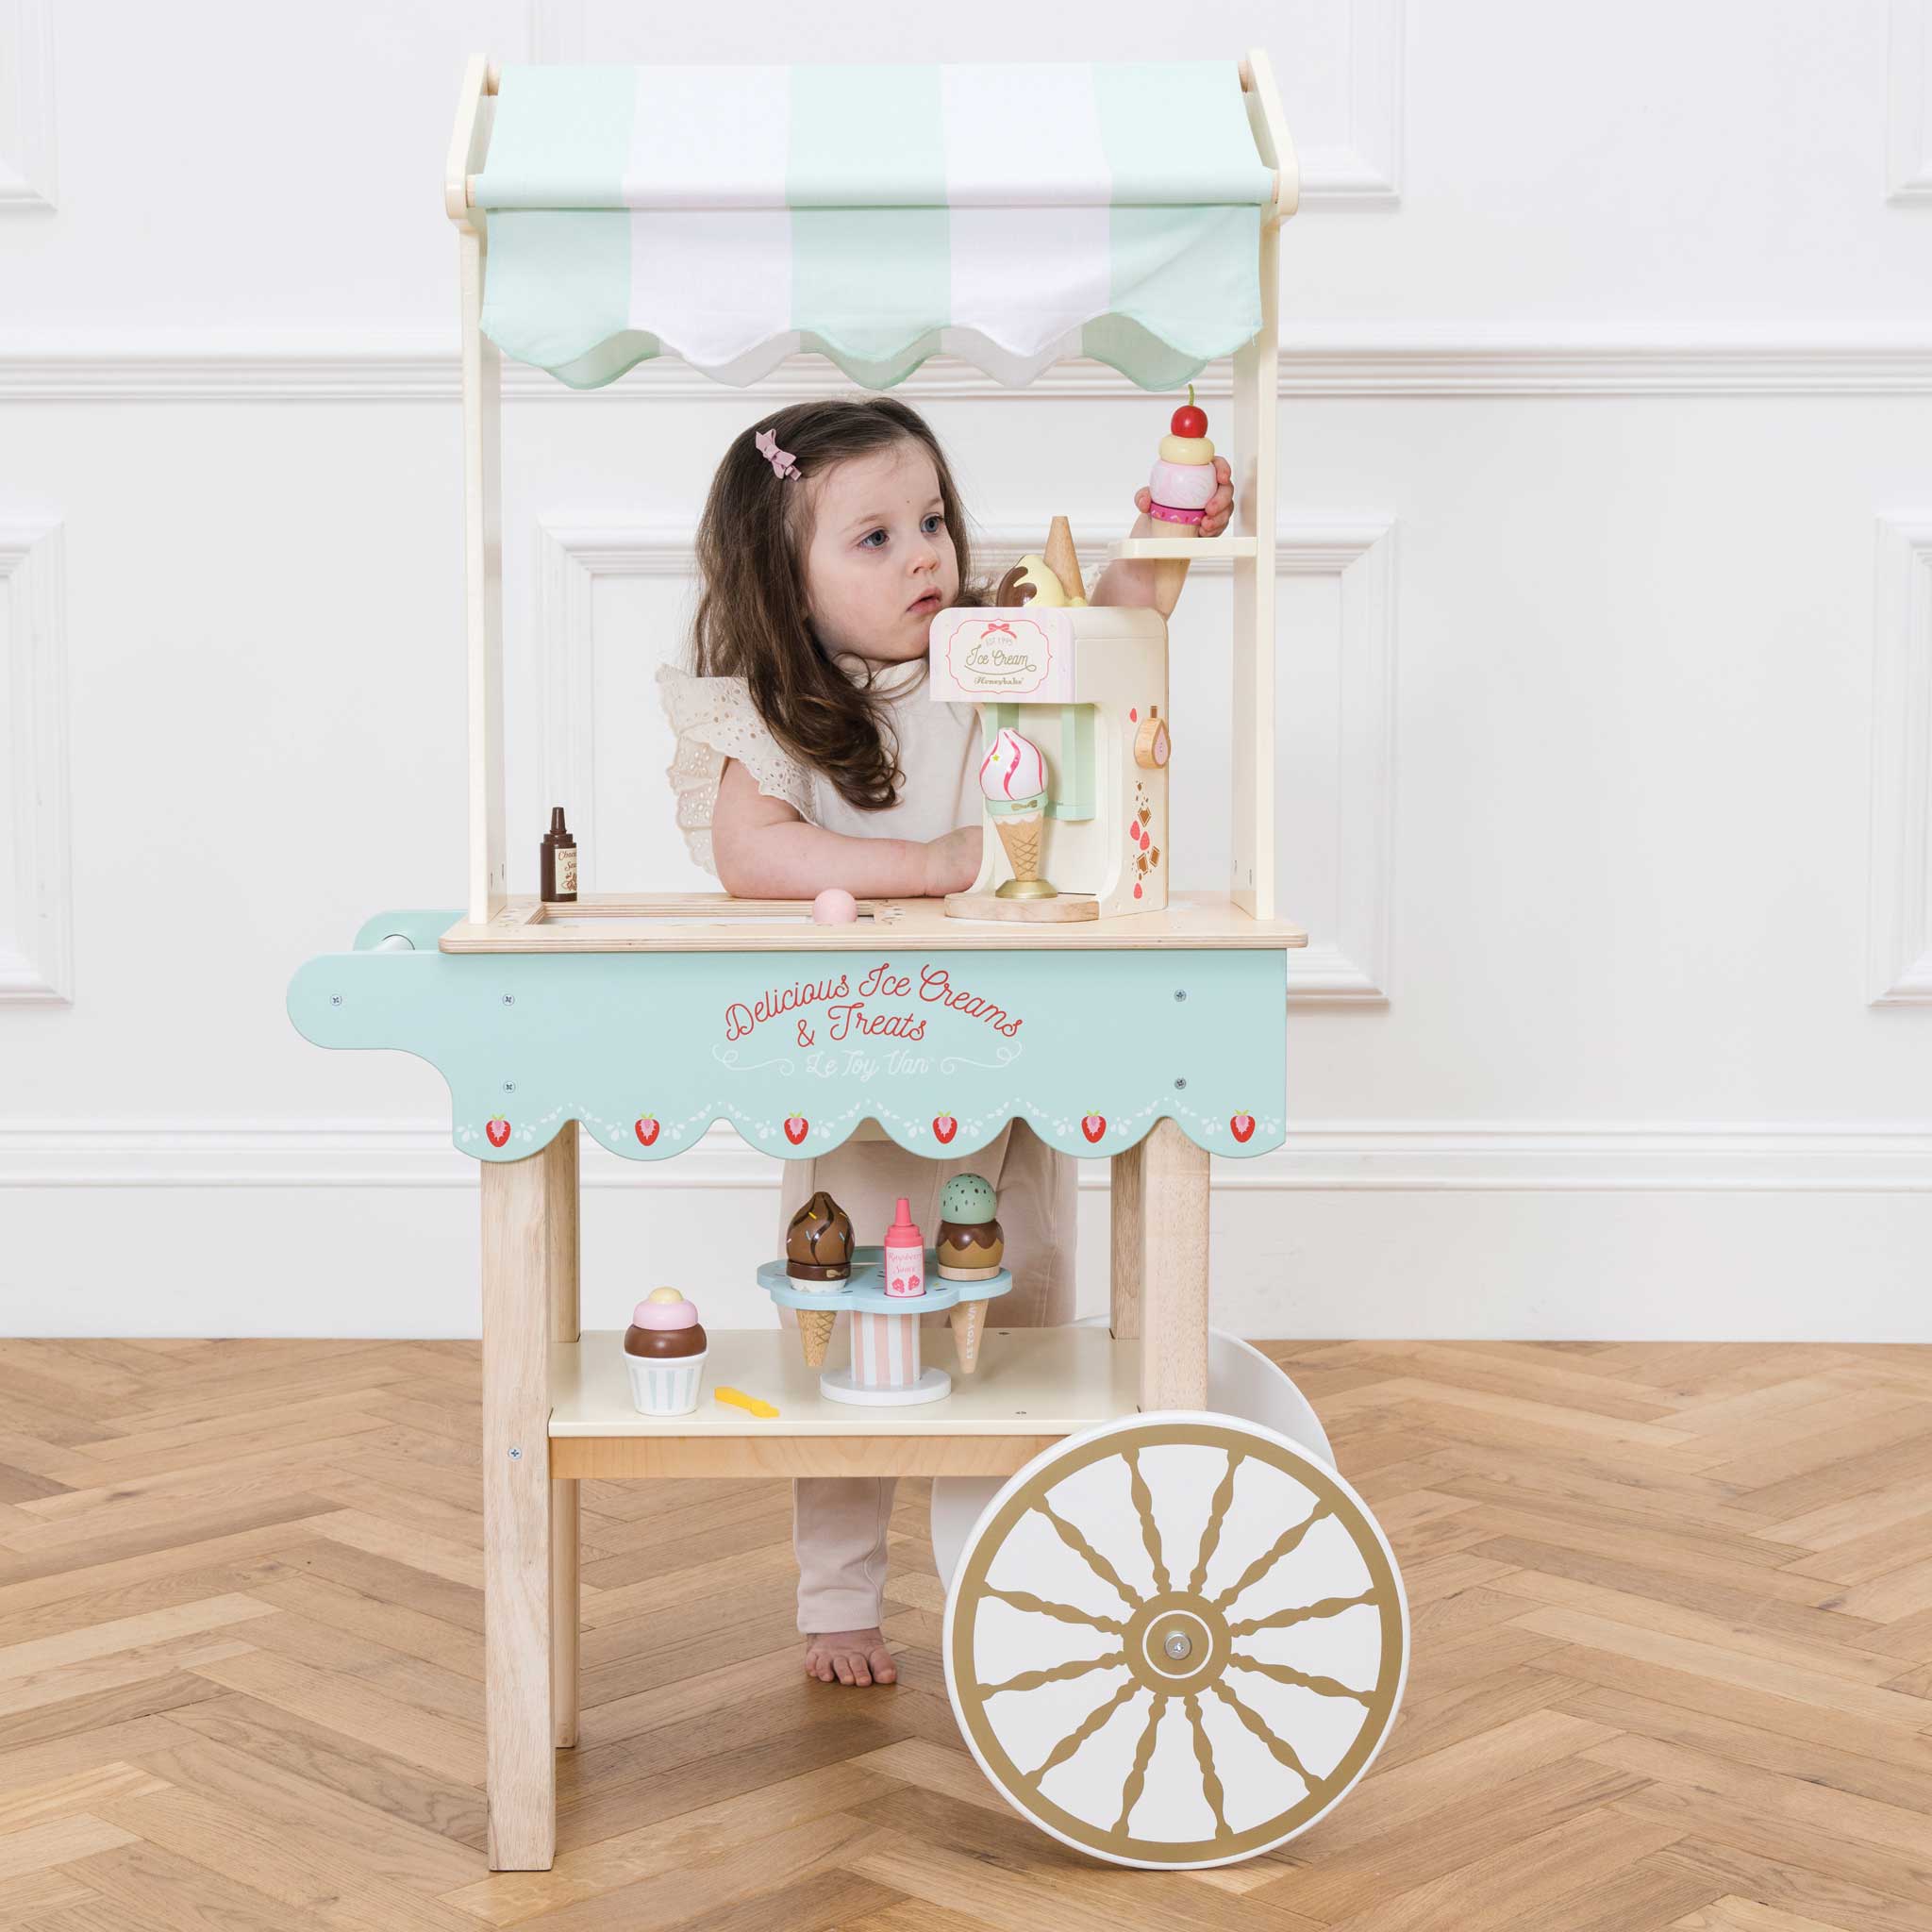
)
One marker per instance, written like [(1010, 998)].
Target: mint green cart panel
[(647, 1049)]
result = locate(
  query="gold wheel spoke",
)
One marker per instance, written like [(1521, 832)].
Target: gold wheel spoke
[(1287, 1674), (1057, 1673), (1150, 1530), (1304, 1613), (1278, 1748), (1092, 1722), (1063, 1613), (1074, 1540), (1204, 1756), (1211, 1537), (1144, 1752), (1285, 1543)]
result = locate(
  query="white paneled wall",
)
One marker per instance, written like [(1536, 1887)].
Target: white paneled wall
[(1606, 606)]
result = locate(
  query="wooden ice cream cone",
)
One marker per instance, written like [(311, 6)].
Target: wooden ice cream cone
[(1064, 561), (1022, 833), (1170, 573), (969, 1325), (815, 1328)]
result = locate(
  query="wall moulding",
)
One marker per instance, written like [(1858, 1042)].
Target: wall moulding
[(1899, 926), (401, 367), (1909, 105), (27, 112), (36, 943)]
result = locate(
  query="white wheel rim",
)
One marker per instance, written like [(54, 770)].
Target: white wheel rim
[(1211, 1654)]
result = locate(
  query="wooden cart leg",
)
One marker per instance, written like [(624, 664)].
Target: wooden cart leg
[(525, 1206), (566, 1318), (1126, 1192), (1173, 1270)]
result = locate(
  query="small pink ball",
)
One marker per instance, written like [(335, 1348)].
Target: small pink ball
[(835, 905)]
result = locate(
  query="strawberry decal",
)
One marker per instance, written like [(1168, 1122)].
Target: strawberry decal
[(1093, 1125), (498, 1130), (943, 1127), (796, 1127), (1243, 1125), (647, 1130)]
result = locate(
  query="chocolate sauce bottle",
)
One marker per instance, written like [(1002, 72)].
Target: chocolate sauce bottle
[(556, 862)]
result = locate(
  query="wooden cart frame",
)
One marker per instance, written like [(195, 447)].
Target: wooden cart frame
[(545, 1425)]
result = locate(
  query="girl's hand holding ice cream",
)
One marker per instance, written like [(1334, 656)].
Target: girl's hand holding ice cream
[(1188, 493), (1218, 509), (1191, 487)]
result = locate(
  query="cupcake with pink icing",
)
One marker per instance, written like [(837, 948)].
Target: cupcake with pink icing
[(665, 1349), (1012, 778)]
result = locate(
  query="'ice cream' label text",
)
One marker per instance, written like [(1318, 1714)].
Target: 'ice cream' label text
[(1003, 654)]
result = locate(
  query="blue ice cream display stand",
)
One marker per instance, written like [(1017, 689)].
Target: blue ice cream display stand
[(1174, 1635)]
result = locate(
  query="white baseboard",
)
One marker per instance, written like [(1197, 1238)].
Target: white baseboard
[(1341, 1157), (1544, 1230)]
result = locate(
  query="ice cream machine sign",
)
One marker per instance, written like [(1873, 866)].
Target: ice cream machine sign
[(1000, 654)]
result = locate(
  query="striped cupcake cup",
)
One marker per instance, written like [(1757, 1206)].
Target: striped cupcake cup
[(665, 1385)]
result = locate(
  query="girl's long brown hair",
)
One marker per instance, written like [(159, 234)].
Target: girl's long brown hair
[(751, 618)]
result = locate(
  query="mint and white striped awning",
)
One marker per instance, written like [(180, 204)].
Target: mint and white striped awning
[(877, 215)]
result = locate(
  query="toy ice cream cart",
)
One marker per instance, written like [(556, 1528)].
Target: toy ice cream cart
[(1174, 1635)]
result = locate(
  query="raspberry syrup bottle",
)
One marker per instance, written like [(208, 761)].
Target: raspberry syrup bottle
[(904, 1253)]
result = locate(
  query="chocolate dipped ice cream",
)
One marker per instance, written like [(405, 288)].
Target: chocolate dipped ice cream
[(969, 1246), (818, 1244)]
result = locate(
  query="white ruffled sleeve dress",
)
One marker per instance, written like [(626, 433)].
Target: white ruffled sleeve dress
[(715, 720)]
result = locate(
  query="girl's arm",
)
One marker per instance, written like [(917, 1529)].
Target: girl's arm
[(764, 850), (1131, 582)]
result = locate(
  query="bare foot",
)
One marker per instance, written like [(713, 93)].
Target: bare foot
[(853, 1657)]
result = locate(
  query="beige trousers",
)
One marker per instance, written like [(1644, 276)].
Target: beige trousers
[(839, 1522)]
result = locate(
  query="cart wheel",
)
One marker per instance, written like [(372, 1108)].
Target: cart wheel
[(1175, 1640)]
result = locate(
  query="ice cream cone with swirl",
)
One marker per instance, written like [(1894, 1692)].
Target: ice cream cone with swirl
[(1013, 778)]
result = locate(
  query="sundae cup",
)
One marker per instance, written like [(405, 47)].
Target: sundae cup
[(1182, 482), (665, 1349), (818, 1258), (1013, 777)]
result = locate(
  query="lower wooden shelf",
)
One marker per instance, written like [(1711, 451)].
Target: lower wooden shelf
[(1033, 1387)]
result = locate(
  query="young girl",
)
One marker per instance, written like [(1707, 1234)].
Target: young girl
[(809, 755)]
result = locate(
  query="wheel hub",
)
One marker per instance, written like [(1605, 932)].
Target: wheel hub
[(1176, 1644)]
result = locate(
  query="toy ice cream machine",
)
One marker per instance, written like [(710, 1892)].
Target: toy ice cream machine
[(1073, 705)]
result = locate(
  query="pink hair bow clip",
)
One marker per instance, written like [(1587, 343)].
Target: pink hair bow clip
[(784, 464)]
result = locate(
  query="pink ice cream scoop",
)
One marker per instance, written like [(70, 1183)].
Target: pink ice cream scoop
[(1181, 486), (1013, 769)]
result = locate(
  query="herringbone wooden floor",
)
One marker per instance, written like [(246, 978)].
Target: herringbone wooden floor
[(1672, 1665)]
